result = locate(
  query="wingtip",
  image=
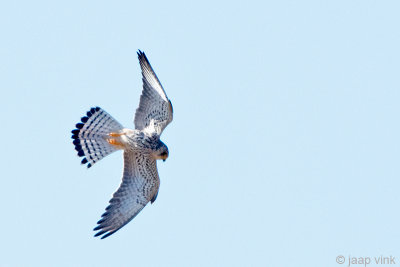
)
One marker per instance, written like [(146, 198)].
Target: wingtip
[(142, 57), (99, 233), (107, 235)]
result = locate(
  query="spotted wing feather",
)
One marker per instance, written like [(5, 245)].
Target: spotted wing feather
[(139, 185), (155, 109)]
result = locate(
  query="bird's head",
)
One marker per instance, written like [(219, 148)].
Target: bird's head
[(162, 152)]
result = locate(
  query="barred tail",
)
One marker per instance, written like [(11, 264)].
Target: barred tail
[(89, 137)]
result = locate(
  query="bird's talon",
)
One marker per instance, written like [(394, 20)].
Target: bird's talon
[(115, 134), (114, 142)]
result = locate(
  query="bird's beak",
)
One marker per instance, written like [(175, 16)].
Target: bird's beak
[(163, 160)]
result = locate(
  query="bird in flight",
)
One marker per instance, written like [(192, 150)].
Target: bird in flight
[(98, 135)]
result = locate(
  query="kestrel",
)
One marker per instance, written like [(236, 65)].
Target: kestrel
[(98, 135)]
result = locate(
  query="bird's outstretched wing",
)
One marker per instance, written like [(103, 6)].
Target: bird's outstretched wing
[(139, 185), (155, 109)]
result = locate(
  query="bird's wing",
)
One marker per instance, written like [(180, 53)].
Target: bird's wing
[(139, 185), (155, 109)]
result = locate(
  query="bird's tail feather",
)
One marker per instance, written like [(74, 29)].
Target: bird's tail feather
[(90, 135)]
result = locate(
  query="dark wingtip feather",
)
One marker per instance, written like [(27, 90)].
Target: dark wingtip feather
[(76, 131), (84, 161), (77, 142), (99, 233), (80, 153), (141, 55), (107, 235), (97, 228), (84, 119), (105, 214), (89, 165)]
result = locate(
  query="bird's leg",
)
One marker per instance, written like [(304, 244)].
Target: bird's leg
[(116, 134), (115, 140)]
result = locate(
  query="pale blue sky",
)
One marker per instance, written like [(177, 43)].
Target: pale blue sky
[(284, 149)]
